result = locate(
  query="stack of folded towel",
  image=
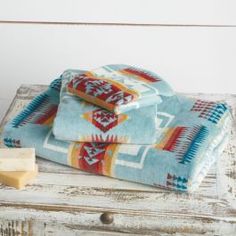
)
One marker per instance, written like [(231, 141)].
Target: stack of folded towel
[(124, 122)]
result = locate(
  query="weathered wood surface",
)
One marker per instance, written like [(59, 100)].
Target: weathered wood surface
[(65, 201)]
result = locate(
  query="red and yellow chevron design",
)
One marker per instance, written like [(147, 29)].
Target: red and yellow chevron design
[(171, 138), (97, 158), (103, 92), (103, 119), (48, 116)]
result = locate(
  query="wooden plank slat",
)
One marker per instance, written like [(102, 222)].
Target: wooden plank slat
[(85, 221), (190, 59), (182, 12)]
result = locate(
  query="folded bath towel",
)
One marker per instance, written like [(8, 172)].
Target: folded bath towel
[(120, 88), (78, 120), (191, 136)]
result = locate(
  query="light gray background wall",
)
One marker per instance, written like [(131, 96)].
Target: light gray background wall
[(192, 44)]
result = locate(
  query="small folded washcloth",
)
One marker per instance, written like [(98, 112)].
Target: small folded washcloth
[(119, 88), (191, 136), (78, 120)]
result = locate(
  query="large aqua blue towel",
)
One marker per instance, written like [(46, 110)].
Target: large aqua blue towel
[(119, 88), (78, 120), (191, 135)]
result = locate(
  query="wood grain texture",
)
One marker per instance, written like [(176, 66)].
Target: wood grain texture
[(4, 104), (65, 201), (190, 59), (185, 12)]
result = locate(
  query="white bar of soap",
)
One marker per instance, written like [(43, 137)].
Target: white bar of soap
[(17, 159)]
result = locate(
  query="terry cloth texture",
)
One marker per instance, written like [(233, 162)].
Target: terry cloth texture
[(78, 120), (120, 88), (191, 136)]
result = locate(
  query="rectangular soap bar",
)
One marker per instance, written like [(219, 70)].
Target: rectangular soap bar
[(17, 159), (17, 179)]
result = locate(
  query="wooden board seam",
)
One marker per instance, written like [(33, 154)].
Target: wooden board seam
[(114, 24), (74, 209)]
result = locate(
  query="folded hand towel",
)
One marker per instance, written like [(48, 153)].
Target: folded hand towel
[(78, 120), (119, 88), (191, 136)]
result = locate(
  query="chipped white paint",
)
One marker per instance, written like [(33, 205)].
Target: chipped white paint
[(67, 201)]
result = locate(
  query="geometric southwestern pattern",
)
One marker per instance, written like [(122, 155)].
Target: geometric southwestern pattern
[(188, 148), (56, 84), (90, 123), (106, 138), (119, 88), (9, 142), (186, 140), (171, 139), (102, 92), (211, 111), (93, 157), (28, 114), (176, 182), (103, 119), (48, 115), (39, 111)]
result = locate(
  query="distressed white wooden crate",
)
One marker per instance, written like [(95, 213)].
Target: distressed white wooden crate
[(66, 201)]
